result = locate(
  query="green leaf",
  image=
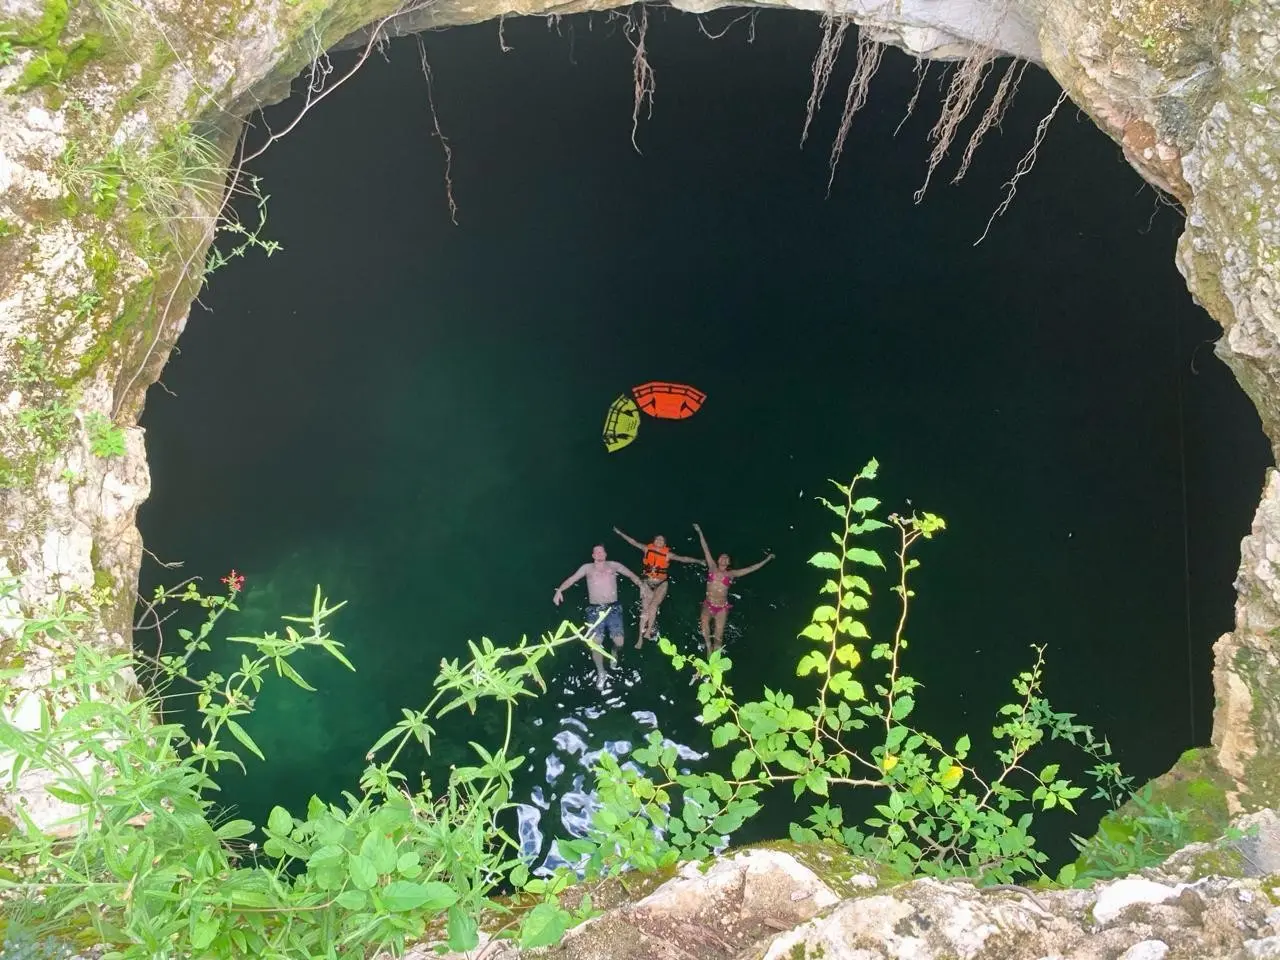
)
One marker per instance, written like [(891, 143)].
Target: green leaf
[(407, 865), (205, 929), (742, 763), (822, 632), (844, 684), (901, 707), (1049, 772), (280, 822), (234, 829), (402, 895), (894, 739), (66, 795), (353, 900), (463, 934), (868, 557), (380, 852), (792, 761), (865, 504), (816, 780), (1067, 875), (962, 747), (848, 653), (361, 871), (240, 734), (825, 561), (811, 661), (823, 614), (543, 926), (723, 734)]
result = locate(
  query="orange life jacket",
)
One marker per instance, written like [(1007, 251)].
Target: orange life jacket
[(655, 562)]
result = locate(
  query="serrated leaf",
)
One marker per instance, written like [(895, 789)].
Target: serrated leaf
[(962, 747), (723, 734), (951, 776), (868, 557), (825, 561), (792, 761), (901, 707), (742, 763)]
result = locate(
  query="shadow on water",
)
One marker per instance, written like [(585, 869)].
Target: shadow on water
[(408, 413)]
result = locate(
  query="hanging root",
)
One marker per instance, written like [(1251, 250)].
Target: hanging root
[(961, 94), (1024, 166), (824, 62), (642, 72), (444, 142), (1000, 101), (922, 67), (869, 54)]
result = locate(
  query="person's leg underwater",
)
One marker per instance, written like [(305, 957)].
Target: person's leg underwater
[(721, 617), (649, 620)]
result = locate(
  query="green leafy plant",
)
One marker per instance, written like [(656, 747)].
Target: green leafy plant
[(6, 53), (147, 864), (105, 438), (935, 811)]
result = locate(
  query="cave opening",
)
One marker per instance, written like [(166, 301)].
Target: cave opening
[(407, 411)]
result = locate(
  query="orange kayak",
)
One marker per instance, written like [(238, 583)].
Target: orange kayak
[(668, 401)]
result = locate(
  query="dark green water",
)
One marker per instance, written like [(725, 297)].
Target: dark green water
[(408, 412)]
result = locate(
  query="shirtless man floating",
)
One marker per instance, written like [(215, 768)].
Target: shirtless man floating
[(657, 557), (602, 595)]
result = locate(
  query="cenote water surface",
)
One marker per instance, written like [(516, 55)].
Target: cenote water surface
[(408, 412)]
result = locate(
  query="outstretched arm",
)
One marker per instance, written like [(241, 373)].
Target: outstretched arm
[(684, 559), (574, 578), (751, 569), (626, 572), (706, 551), (635, 543)]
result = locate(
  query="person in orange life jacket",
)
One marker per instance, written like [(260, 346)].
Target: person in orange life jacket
[(717, 604), (657, 557)]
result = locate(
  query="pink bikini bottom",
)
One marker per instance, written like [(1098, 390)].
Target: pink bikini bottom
[(716, 608)]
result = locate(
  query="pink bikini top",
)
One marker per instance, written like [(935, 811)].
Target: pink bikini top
[(711, 576)]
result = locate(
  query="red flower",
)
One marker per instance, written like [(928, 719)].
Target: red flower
[(234, 580)]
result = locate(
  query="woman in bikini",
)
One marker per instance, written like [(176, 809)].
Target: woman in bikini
[(657, 557), (717, 604)]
